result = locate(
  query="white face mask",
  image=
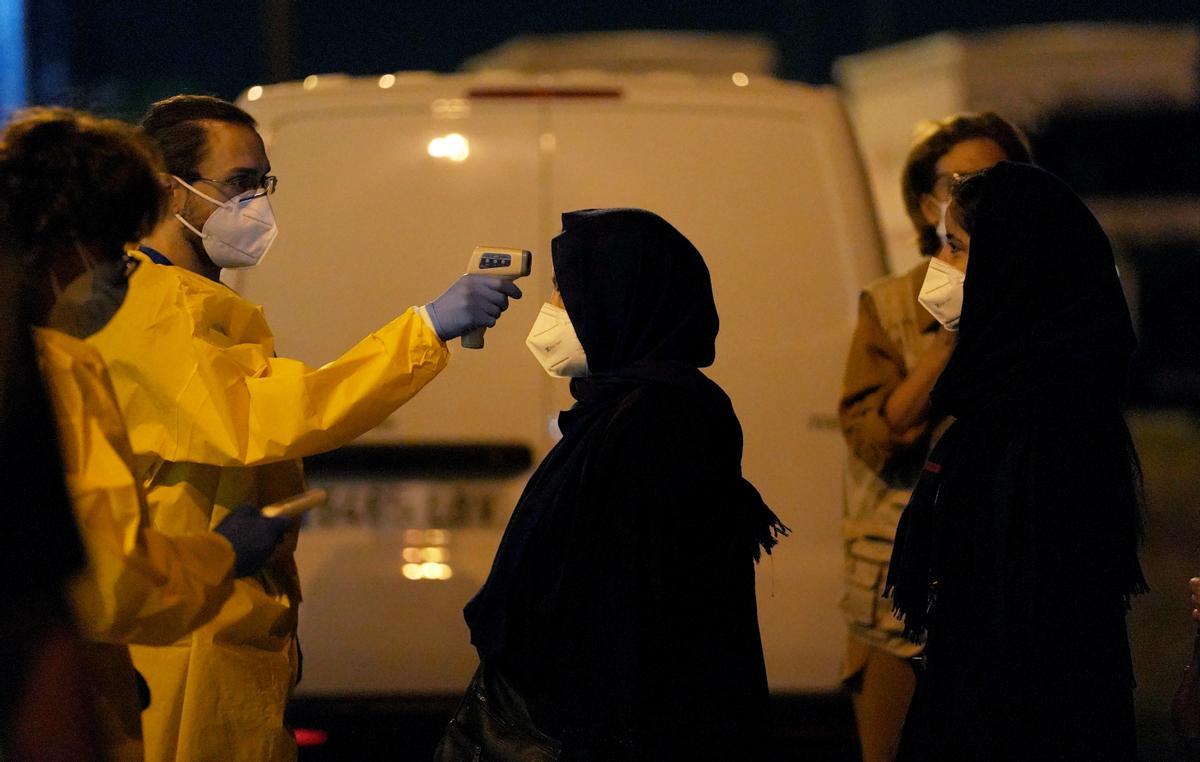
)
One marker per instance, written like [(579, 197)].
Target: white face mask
[(942, 293), (239, 232), (941, 226), (88, 303), (553, 342)]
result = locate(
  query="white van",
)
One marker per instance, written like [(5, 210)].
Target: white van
[(386, 185)]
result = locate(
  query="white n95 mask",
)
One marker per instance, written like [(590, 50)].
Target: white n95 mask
[(239, 232), (942, 293), (553, 342)]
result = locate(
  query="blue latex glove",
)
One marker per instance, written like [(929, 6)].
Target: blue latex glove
[(253, 536), (472, 301)]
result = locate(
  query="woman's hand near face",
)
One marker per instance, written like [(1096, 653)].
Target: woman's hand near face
[(1194, 583), (908, 405)]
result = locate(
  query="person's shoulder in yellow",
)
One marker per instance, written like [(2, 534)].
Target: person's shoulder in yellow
[(207, 309), (197, 377), (167, 586), (138, 586)]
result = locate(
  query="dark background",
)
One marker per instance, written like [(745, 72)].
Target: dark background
[(116, 57)]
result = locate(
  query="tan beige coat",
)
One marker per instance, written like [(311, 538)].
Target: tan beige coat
[(892, 333)]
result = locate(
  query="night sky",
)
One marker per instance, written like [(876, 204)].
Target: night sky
[(117, 56)]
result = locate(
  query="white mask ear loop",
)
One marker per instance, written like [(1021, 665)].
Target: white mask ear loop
[(198, 192), (189, 225), (202, 195)]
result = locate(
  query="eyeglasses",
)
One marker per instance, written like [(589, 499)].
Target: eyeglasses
[(240, 184)]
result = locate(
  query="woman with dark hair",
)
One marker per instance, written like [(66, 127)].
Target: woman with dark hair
[(896, 355), (1017, 554), (78, 190), (619, 617), (942, 148)]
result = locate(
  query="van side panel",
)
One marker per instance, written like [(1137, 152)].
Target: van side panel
[(768, 186)]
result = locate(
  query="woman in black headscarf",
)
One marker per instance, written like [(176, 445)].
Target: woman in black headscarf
[(619, 616), (1018, 551)]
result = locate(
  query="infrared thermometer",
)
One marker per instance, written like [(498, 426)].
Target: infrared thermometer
[(297, 506), (501, 262)]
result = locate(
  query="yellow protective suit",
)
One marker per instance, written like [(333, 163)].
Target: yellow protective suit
[(217, 419), (140, 586)]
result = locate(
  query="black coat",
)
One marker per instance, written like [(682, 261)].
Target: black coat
[(621, 603), (1018, 551)]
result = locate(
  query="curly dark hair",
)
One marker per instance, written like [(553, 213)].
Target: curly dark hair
[(933, 140), (70, 178)]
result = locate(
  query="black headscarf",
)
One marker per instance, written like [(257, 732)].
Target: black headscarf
[(640, 299), (637, 291), (1039, 447), (1043, 311)]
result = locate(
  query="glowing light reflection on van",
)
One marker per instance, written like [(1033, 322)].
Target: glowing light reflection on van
[(427, 571), (425, 555), (436, 555), (454, 147)]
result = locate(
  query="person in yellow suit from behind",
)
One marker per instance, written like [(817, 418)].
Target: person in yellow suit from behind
[(76, 190), (215, 416)]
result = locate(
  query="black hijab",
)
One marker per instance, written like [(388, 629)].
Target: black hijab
[(1039, 453), (641, 301), (1043, 311), (637, 291)]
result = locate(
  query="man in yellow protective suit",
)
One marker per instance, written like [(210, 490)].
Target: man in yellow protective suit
[(214, 415), (76, 189)]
